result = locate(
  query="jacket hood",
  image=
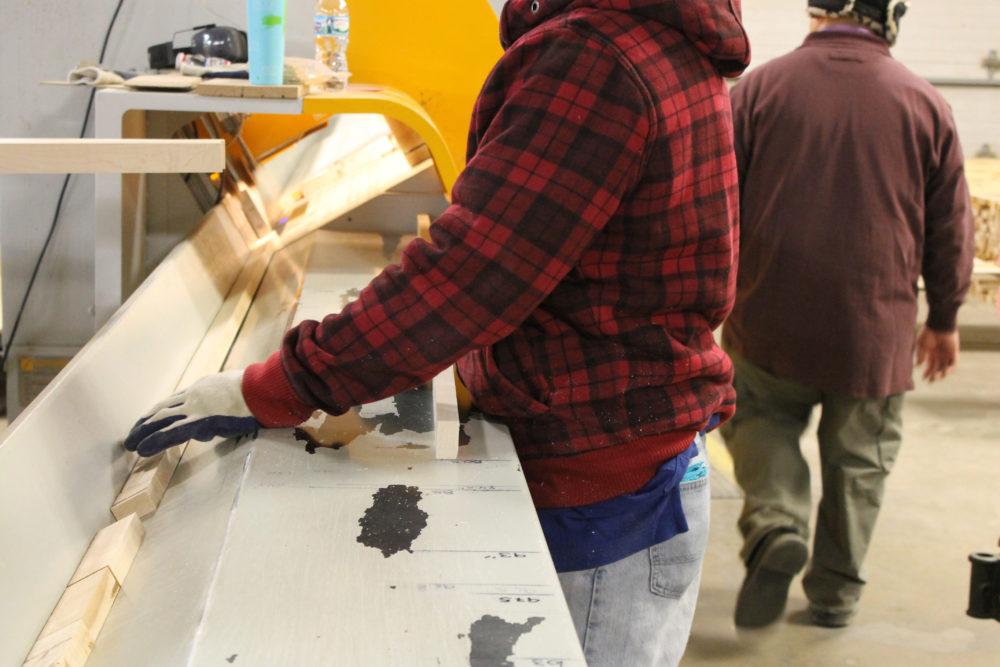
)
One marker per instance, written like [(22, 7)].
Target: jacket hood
[(714, 26)]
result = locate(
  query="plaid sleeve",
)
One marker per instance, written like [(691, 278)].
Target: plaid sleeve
[(559, 131)]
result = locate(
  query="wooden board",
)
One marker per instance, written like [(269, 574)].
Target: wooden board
[(424, 226), (447, 423), (163, 82), (100, 156), (114, 547), (985, 281), (253, 209), (241, 88), (983, 176), (69, 635), (147, 483)]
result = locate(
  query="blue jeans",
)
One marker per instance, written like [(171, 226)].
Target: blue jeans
[(638, 610)]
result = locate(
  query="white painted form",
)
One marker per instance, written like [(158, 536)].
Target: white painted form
[(255, 552)]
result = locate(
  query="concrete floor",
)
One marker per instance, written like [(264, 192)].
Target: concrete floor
[(942, 503)]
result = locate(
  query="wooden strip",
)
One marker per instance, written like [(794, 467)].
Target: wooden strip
[(237, 88), (359, 182), (145, 487), (218, 340), (984, 186), (273, 307), (253, 209), (99, 156), (163, 82), (69, 635), (447, 423), (985, 283), (234, 208), (114, 547), (69, 646), (409, 141), (424, 226)]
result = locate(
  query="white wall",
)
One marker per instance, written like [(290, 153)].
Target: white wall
[(938, 39)]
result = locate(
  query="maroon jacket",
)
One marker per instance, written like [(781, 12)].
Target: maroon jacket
[(588, 253), (852, 186)]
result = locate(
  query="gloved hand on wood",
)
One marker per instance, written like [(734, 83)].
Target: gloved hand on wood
[(211, 407)]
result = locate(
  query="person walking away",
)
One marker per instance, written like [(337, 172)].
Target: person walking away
[(852, 186)]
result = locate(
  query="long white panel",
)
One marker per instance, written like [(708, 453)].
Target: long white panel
[(366, 551), (61, 460)]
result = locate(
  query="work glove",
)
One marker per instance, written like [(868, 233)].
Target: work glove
[(211, 407)]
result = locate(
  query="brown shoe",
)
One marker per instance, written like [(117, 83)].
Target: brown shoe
[(775, 561)]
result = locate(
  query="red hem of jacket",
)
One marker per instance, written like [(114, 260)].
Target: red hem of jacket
[(598, 475)]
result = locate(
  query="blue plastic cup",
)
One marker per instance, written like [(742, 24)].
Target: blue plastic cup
[(266, 41)]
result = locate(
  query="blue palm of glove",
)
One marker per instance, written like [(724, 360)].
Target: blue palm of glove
[(211, 407)]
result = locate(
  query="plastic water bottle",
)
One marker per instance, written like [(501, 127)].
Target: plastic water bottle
[(331, 28)]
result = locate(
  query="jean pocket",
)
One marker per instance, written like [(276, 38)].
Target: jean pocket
[(676, 563)]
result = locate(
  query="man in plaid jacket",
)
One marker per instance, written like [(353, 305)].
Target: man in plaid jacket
[(576, 279)]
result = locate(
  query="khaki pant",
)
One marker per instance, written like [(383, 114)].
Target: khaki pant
[(858, 443)]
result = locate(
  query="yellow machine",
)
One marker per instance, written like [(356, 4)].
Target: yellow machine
[(421, 64)]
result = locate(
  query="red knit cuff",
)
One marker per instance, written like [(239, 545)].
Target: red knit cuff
[(270, 396)]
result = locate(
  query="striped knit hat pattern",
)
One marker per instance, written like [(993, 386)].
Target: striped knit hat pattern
[(880, 16)]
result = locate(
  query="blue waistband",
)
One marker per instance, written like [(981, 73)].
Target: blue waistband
[(585, 537)]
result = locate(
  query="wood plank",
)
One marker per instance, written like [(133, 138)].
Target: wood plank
[(145, 487), (99, 156), (447, 423), (68, 636), (234, 208), (409, 141), (274, 304), (240, 88), (114, 547), (133, 210), (359, 181), (162, 82), (69, 646), (218, 341), (985, 284), (253, 209), (983, 176), (424, 226)]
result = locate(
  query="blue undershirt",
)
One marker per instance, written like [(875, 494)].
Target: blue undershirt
[(589, 536)]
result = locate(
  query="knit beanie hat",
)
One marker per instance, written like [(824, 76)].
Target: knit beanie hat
[(880, 16)]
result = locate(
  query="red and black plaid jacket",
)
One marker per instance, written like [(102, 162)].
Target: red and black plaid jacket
[(587, 256)]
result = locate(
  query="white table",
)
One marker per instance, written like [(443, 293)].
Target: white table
[(111, 105)]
